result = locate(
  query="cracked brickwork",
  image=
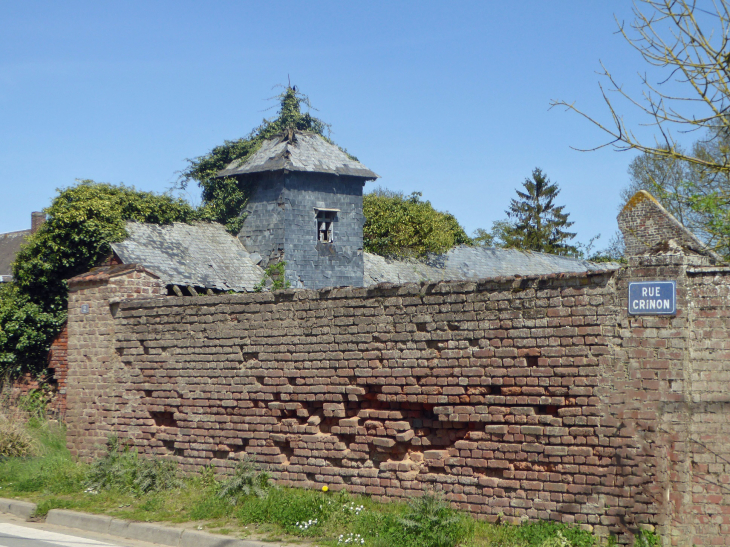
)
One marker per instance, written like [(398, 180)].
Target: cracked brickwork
[(527, 397)]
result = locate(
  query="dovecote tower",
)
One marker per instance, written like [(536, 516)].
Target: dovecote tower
[(305, 208)]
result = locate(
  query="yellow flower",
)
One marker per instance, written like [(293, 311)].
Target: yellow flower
[(325, 488)]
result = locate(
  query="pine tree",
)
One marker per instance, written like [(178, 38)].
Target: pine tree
[(536, 223)]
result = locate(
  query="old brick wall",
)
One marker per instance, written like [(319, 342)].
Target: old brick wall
[(699, 420), (91, 377), (486, 391), (645, 224), (527, 397)]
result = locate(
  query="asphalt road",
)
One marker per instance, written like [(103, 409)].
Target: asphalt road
[(15, 532)]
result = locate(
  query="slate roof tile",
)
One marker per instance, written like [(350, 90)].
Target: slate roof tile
[(200, 254), (9, 247), (465, 262), (306, 152)]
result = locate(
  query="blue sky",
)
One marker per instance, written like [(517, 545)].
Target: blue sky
[(447, 98)]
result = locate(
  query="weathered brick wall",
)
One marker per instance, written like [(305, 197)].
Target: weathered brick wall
[(91, 377), (534, 397), (645, 224), (696, 412)]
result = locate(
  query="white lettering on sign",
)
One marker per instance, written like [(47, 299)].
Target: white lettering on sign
[(652, 298), (650, 291)]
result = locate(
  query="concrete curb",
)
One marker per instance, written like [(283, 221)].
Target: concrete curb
[(142, 531), (22, 509)]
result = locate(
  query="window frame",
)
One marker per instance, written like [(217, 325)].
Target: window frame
[(327, 216)]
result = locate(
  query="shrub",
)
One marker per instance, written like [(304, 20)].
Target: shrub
[(645, 538), (289, 508), (51, 467), (247, 479), (15, 441), (430, 522), (121, 469), (552, 533)]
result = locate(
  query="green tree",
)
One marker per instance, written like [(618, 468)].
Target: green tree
[(223, 199), (535, 222), (25, 329), (406, 226), (83, 221)]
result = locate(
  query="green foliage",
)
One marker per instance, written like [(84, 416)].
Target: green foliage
[(538, 534), (26, 328), (535, 222), (83, 221), (247, 480), (225, 198), (289, 509), (46, 505), (430, 522), (274, 277), (51, 468), (121, 469), (646, 538), (15, 441), (406, 226), (496, 237), (34, 403)]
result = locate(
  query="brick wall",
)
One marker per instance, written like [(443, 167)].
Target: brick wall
[(93, 373), (526, 397), (645, 224)]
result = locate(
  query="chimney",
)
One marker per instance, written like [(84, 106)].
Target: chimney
[(36, 221)]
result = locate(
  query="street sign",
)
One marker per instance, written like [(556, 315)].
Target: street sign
[(653, 298)]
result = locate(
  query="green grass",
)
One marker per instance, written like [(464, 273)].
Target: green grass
[(247, 505)]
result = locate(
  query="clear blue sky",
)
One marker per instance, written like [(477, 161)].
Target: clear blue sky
[(447, 98)]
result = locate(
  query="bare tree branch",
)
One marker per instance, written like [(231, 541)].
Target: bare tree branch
[(693, 46)]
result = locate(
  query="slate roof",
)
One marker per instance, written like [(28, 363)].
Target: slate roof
[(299, 151), (200, 254), (9, 248), (465, 262)]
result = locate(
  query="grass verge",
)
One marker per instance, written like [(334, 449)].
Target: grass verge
[(247, 505)]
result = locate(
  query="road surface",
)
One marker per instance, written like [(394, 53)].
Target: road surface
[(15, 532)]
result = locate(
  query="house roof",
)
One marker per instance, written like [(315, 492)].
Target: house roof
[(299, 151), (205, 255), (9, 248), (200, 254), (465, 262)]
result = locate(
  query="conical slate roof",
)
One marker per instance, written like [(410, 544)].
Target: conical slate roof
[(299, 151)]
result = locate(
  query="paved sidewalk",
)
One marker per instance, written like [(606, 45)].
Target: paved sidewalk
[(139, 531)]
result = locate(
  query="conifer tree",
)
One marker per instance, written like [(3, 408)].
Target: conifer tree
[(536, 223)]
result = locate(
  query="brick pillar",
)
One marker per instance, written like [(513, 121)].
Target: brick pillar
[(96, 375)]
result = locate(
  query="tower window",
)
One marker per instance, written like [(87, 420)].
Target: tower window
[(325, 225)]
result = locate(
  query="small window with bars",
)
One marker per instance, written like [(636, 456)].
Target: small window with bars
[(325, 225)]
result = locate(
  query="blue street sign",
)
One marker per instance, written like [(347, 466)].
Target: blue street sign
[(653, 298)]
